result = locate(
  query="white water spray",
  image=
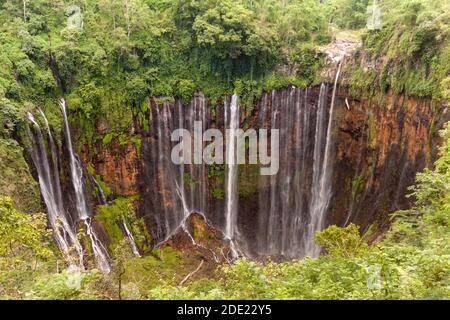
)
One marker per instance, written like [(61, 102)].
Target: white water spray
[(231, 210), (323, 169), (76, 171), (51, 192)]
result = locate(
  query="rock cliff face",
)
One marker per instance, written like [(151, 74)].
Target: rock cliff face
[(118, 165), (378, 146), (381, 146)]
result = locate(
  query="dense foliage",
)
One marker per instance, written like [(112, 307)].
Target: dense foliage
[(127, 50), (123, 51), (411, 52)]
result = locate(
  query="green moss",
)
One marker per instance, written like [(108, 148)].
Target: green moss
[(112, 215), (137, 141), (247, 184), (218, 193), (372, 139), (362, 83), (357, 185), (108, 138), (190, 182), (216, 176)]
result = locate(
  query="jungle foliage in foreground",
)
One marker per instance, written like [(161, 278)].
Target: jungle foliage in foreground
[(412, 261)]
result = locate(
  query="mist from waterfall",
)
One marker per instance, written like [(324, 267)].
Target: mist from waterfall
[(293, 204)]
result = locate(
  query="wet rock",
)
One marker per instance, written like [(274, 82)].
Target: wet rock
[(197, 236)]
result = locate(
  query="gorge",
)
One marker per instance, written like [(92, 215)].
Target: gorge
[(332, 158)]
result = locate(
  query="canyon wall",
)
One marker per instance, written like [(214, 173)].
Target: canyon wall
[(377, 146)]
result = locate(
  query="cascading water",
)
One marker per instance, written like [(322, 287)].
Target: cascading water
[(231, 202), (100, 194), (130, 237), (322, 183), (76, 171), (50, 187), (318, 199), (54, 158), (290, 206), (293, 203), (175, 191)]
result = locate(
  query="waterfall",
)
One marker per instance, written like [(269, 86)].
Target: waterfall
[(100, 194), (76, 171), (54, 157), (322, 183), (130, 237), (175, 191), (289, 207), (292, 205), (318, 199), (232, 120), (50, 187)]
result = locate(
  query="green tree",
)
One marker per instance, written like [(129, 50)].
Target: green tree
[(343, 242), (22, 237)]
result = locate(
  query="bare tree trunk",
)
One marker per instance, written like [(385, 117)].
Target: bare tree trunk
[(191, 274)]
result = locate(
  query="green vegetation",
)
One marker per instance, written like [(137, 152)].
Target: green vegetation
[(248, 175), (24, 248), (348, 14), (15, 177), (410, 54), (114, 214), (129, 50), (126, 53)]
